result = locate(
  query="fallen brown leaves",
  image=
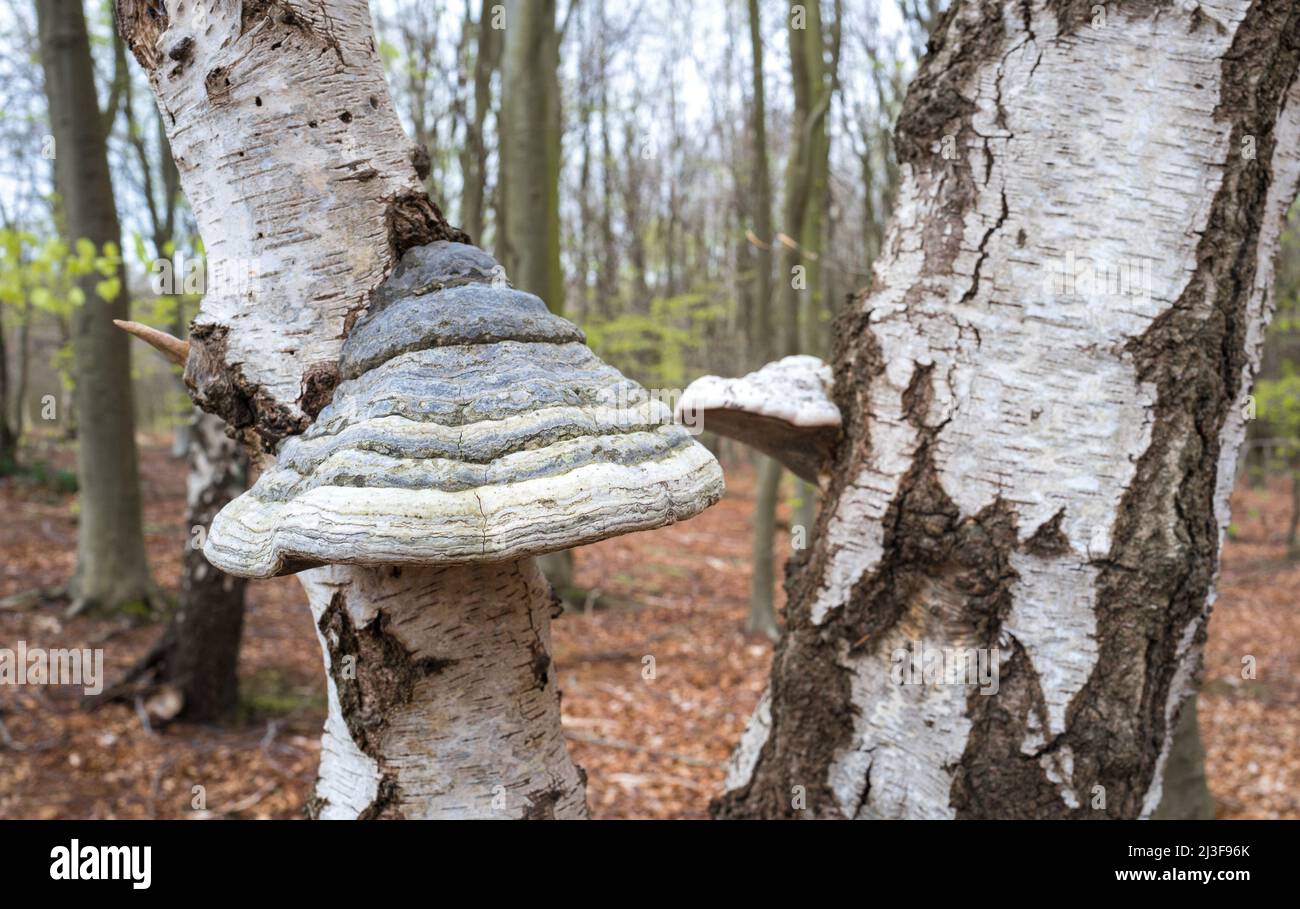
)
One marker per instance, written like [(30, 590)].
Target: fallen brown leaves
[(1251, 727), (654, 696)]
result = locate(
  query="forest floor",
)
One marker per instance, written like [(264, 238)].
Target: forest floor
[(652, 747)]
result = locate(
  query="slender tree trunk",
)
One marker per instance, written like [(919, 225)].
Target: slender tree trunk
[(762, 591), (111, 569), (1293, 529), (760, 344), (305, 124), (1036, 469), (8, 438), (762, 608), (196, 658), (1186, 794), (815, 147), (634, 147), (487, 52), (24, 367), (607, 275), (530, 149)]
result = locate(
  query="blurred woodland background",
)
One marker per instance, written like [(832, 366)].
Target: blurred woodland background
[(670, 175)]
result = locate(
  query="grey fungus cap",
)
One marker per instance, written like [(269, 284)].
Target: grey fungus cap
[(471, 425)]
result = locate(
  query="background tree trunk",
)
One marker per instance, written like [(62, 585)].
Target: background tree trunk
[(762, 608), (8, 437), (24, 365), (821, 78), (1037, 469), (488, 52), (1186, 793), (530, 179), (192, 670), (798, 287), (530, 150), (204, 663), (111, 569)]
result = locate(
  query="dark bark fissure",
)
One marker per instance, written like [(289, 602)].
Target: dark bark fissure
[(373, 672), (141, 23), (415, 220), (374, 676), (318, 385), (938, 111), (1049, 539), (248, 409)]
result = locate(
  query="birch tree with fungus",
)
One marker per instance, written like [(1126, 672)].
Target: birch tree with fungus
[(454, 429), (1043, 394)]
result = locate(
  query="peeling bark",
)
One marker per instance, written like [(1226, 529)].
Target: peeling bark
[(1036, 469)]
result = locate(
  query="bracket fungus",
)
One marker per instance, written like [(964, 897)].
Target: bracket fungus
[(784, 410), (471, 430), (471, 425)]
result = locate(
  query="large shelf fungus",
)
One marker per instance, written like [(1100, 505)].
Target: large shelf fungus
[(471, 430), (471, 425)]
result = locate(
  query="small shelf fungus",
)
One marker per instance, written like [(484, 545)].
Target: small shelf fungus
[(471, 425), (784, 410)]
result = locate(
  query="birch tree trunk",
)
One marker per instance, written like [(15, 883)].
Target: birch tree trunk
[(111, 570), (1043, 397), (304, 185), (204, 661), (442, 695)]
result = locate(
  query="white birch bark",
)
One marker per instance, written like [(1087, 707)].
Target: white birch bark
[(465, 721), (301, 180), (1038, 460), (304, 188)]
